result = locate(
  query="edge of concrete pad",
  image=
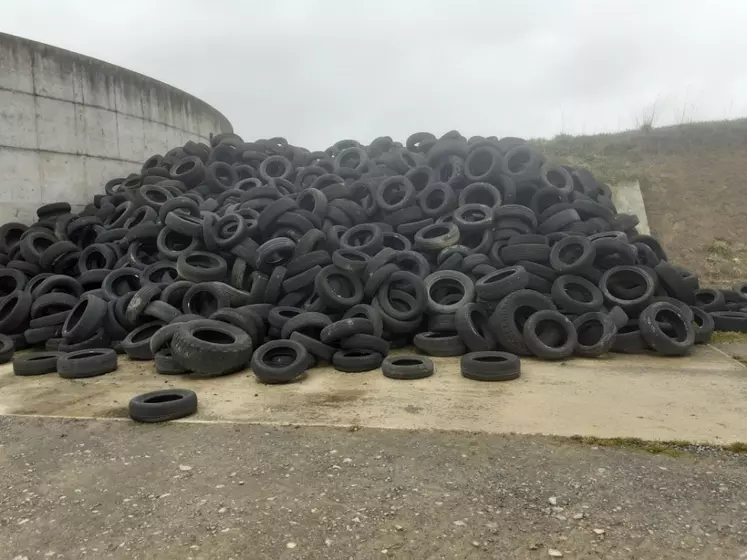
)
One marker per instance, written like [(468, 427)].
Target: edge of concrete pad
[(647, 397)]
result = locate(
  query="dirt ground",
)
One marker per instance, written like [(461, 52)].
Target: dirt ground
[(114, 489), (693, 182)]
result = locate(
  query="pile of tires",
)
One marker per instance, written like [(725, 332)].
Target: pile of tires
[(217, 257)]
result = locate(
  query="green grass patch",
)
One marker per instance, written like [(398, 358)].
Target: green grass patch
[(736, 447), (729, 336), (672, 448)]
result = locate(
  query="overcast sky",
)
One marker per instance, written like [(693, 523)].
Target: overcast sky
[(316, 71)]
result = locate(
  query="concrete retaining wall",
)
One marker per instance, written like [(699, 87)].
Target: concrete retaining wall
[(628, 199), (69, 123)]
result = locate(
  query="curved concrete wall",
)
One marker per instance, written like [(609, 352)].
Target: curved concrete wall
[(69, 123)]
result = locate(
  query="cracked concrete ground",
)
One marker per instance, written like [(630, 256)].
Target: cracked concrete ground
[(114, 489)]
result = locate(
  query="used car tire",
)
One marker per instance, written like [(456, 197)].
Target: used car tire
[(490, 366), (87, 363), (163, 405)]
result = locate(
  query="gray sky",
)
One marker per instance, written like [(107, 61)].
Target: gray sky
[(316, 71)]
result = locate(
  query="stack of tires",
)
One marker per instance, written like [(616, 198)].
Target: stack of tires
[(214, 258)]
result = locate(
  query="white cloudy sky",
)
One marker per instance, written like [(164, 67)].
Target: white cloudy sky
[(316, 71)]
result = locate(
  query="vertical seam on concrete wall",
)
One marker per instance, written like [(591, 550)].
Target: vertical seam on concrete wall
[(32, 56), (83, 159), (142, 108), (116, 123)]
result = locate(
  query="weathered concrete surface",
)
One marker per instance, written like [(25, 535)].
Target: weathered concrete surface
[(701, 398), (69, 123), (87, 489), (628, 199)]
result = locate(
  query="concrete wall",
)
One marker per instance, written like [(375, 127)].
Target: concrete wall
[(628, 199), (69, 123)]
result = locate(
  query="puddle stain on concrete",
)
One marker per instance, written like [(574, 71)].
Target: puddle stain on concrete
[(335, 399)]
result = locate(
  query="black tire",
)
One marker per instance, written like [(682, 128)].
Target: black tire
[(57, 283), (575, 294), (36, 363), (38, 335), (559, 221), (185, 224), (97, 256), (437, 237), (703, 324), (618, 316), (732, 321), (538, 340), (510, 315), (161, 311), (84, 319), (137, 343), (412, 284), (211, 348), (55, 252), (314, 347), (200, 266), (345, 328), (330, 296), (439, 344), (7, 347), (471, 218), (174, 293), (15, 310), (10, 235), (677, 339), (448, 279), (244, 320), (356, 360), (534, 252), (161, 339), (99, 339), (140, 301), (166, 364), (629, 287), (407, 367), (275, 252), (205, 299), (366, 342), (471, 323), (572, 254), (308, 323), (163, 405), (490, 366), (280, 361), (307, 261), (595, 334), (34, 242), (497, 285), (675, 284), (11, 280), (87, 363), (710, 300), (121, 281)]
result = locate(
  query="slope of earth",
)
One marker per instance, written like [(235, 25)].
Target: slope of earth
[(693, 182)]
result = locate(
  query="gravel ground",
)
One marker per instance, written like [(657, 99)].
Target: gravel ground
[(113, 489)]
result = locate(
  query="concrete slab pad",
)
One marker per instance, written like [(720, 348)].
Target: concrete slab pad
[(700, 398)]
